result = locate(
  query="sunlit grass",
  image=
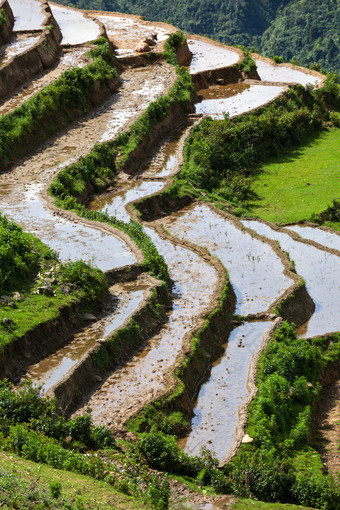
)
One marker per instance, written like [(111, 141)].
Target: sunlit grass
[(293, 186)]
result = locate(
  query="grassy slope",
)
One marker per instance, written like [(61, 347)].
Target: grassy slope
[(85, 492), (293, 186), (78, 489)]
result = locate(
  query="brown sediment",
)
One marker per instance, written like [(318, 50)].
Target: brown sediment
[(326, 419), (43, 54), (6, 29), (108, 354)]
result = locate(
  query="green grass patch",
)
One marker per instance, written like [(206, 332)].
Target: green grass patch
[(29, 485), (301, 182)]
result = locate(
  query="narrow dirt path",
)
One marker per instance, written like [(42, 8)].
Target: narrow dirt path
[(328, 424)]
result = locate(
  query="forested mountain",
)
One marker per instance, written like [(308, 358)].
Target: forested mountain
[(307, 30)]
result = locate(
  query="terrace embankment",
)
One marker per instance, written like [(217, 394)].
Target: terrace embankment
[(326, 419), (6, 27), (114, 351), (42, 54)]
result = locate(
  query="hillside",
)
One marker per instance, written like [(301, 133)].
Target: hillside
[(169, 269), (307, 31)]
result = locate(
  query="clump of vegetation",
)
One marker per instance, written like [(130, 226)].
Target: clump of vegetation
[(30, 123), (2, 17), (281, 463), (21, 255), (222, 157)]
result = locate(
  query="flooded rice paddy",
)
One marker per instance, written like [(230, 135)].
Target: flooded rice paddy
[(124, 300), (27, 14), (234, 99), (220, 397), (74, 26), (126, 31), (144, 376), (321, 271), (255, 271), (207, 55), (326, 238), (284, 74)]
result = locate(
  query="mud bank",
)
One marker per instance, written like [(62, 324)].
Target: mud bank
[(40, 341), (6, 28), (42, 55), (52, 122), (115, 350)]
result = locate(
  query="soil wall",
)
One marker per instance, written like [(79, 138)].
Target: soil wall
[(107, 354), (44, 54), (6, 28)]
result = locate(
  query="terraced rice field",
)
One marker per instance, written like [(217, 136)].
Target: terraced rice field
[(198, 242)]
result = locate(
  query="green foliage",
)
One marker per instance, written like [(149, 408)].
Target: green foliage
[(72, 90), (307, 31), (2, 17), (222, 157), (87, 278), (21, 255), (279, 423)]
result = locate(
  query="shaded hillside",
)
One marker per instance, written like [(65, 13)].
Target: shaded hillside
[(308, 31)]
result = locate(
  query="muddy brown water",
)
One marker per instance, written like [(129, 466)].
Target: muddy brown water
[(74, 26), (124, 300), (321, 271), (284, 74), (256, 272), (323, 237), (18, 45), (216, 408), (70, 58), (235, 99), (28, 14), (206, 55), (142, 379)]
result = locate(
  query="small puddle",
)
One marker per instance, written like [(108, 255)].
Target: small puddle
[(235, 99), (323, 237), (75, 28), (143, 377), (219, 399), (256, 272), (52, 369), (19, 44), (27, 14), (283, 74), (207, 55), (115, 201), (321, 271), (71, 58)]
